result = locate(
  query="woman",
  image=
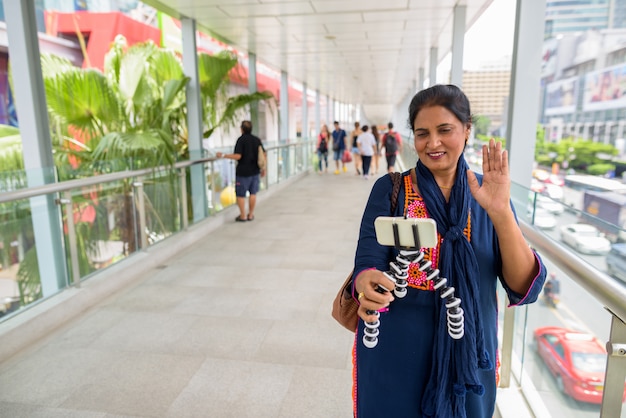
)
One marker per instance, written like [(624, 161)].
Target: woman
[(322, 148), (418, 369), (377, 153), (354, 135)]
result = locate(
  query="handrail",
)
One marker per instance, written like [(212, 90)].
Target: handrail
[(105, 178), (602, 286)]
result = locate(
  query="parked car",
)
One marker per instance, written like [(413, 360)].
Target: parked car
[(616, 261), (541, 201), (576, 359), (585, 238), (540, 174), (537, 186), (555, 179), (553, 192), (542, 218)]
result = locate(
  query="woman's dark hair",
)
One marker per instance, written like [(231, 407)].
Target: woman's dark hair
[(447, 95)]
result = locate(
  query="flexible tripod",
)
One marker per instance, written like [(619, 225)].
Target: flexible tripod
[(398, 273)]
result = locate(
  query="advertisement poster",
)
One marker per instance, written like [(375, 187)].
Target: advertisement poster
[(561, 96), (605, 89)]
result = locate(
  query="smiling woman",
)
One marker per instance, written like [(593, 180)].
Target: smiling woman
[(440, 375)]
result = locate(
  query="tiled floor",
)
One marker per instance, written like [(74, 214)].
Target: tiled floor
[(238, 325)]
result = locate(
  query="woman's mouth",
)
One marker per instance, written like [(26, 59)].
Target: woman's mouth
[(436, 155)]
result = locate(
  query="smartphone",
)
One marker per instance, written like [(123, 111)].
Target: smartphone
[(426, 231)]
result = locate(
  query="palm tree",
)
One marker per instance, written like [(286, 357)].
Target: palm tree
[(131, 115)]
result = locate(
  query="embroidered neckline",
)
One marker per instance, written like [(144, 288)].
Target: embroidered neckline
[(414, 207)]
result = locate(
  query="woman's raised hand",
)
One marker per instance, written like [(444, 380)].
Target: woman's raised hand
[(495, 192)]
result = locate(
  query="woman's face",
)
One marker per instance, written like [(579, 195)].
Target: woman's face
[(439, 139)]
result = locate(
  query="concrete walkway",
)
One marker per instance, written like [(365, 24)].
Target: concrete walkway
[(236, 325)]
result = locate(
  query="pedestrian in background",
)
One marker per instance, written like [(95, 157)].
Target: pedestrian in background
[(248, 172), (367, 147), (392, 142), (376, 155), (322, 148), (354, 135), (339, 145)]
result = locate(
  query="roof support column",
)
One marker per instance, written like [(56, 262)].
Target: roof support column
[(421, 79), (284, 107), (434, 57), (525, 90), (252, 88), (30, 100), (305, 112), (318, 115), (458, 38), (329, 121), (195, 124)]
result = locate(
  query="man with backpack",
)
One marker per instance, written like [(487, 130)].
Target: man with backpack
[(392, 142)]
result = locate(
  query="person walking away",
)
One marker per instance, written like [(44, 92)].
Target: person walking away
[(447, 359), (376, 155), (354, 135), (392, 142), (339, 145), (247, 173), (367, 147), (322, 148)]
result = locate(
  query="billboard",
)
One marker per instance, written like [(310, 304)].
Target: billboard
[(605, 89), (561, 96)]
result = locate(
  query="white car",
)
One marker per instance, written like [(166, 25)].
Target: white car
[(542, 218), (554, 192), (544, 202), (585, 239)]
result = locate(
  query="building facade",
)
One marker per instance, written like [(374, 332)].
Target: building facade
[(488, 90), (584, 87)]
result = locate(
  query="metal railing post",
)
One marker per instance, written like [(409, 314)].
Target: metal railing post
[(183, 197), (508, 328), (615, 373), (141, 208), (71, 236)]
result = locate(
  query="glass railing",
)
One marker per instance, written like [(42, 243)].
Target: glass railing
[(109, 217), (554, 351), (558, 345), (55, 236)]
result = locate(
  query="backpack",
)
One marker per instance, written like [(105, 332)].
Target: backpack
[(260, 161), (323, 147), (391, 144)]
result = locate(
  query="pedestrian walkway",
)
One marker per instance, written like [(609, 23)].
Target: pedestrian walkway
[(237, 325)]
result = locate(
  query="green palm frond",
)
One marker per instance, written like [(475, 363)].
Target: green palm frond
[(8, 131), (213, 71), (165, 66), (234, 106), (53, 65), (113, 59), (133, 85), (28, 278), (84, 100), (152, 147), (172, 93), (11, 157)]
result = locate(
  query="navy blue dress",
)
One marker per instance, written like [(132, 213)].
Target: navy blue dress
[(391, 378)]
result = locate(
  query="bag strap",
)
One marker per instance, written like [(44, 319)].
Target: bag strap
[(396, 179)]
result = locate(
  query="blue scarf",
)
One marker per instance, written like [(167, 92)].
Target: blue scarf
[(455, 362)]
